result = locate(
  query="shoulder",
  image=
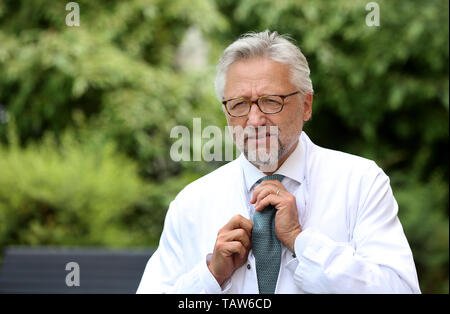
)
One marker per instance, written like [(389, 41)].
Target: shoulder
[(205, 201), (342, 174), (334, 163), (211, 183)]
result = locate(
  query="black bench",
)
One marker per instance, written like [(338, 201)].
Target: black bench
[(43, 270)]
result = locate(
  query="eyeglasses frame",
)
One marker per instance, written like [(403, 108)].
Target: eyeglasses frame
[(256, 102)]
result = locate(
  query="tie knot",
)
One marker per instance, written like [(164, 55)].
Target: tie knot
[(278, 177)]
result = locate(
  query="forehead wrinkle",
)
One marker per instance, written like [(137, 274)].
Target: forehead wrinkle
[(251, 79), (257, 87)]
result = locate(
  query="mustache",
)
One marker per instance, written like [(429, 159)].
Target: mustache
[(260, 132), (257, 136)]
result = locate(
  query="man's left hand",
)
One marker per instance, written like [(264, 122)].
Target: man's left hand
[(287, 226)]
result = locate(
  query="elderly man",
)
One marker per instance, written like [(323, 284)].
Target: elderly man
[(304, 220)]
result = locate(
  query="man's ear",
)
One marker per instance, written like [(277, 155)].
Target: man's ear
[(307, 107)]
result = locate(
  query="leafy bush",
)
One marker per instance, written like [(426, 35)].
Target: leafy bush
[(423, 211), (68, 192)]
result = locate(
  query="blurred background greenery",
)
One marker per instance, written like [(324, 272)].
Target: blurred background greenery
[(86, 112)]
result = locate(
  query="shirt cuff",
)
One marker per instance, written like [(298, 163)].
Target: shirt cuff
[(209, 281), (301, 242)]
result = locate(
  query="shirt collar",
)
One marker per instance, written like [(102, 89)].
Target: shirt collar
[(293, 167)]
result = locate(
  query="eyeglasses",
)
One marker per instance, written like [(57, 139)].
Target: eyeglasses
[(241, 106)]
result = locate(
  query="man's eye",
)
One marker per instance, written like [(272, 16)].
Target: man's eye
[(273, 101), (238, 104)]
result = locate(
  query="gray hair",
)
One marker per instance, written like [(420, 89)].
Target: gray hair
[(265, 44)]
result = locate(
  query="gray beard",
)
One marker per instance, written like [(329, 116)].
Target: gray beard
[(266, 159), (269, 162)]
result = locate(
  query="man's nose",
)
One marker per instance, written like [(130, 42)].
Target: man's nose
[(256, 117)]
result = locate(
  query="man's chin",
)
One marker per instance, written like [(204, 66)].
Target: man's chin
[(266, 162)]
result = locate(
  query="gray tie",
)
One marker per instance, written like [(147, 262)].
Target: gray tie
[(265, 245)]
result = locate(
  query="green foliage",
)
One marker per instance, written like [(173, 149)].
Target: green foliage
[(423, 212), (72, 191), (118, 70), (94, 105)]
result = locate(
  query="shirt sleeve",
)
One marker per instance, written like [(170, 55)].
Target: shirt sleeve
[(166, 272), (378, 259)]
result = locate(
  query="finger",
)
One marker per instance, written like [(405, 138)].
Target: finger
[(238, 235), (237, 222), (268, 190), (271, 199), (242, 253), (241, 250), (234, 247), (263, 186)]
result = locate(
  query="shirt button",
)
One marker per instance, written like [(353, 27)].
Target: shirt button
[(248, 266)]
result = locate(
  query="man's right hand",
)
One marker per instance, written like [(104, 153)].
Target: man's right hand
[(232, 247)]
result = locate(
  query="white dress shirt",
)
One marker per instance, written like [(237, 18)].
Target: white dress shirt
[(351, 240)]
